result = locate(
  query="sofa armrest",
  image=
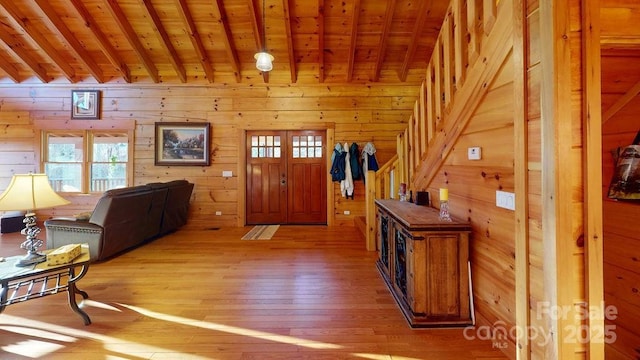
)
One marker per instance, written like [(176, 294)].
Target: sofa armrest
[(63, 232)]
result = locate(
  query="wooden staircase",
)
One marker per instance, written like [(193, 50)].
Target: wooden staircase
[(459, 69)]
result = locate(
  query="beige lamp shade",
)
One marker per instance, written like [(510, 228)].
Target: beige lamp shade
[(264, 61), (30, 192)]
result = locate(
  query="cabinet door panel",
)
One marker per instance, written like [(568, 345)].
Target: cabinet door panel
[(443, 276)]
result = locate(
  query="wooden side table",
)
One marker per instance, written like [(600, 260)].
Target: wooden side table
[(18, 284)]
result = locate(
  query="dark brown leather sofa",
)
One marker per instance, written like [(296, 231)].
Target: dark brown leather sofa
[(125, 218)]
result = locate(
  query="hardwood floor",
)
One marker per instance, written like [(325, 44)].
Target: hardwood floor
[(311, 292)]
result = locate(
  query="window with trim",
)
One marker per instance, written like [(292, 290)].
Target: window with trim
[(85, 161)]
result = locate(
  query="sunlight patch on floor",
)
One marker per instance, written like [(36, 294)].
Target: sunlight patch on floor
[(50, 335), (32, 348), (99, 305), (46, 338), (234, 330)]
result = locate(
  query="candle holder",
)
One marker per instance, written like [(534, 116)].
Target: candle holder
[(444, 210), (402, 192), (444, 205)]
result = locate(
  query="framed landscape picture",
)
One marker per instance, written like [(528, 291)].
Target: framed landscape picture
[(182, 143), (85, 104)]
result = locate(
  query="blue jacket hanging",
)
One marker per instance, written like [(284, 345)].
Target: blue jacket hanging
[(338, 163)]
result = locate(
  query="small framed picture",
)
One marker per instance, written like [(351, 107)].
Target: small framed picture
[(85, 104), (182, 143)]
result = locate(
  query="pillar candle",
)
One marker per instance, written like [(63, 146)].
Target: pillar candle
[(444, 194)]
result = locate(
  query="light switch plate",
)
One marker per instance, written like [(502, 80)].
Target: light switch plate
[(474, 153), (506, 200), (227, 173)]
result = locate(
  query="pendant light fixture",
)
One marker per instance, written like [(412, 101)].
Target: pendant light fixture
[(264, 60)]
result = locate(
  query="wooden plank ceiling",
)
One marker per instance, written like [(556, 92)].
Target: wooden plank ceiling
[(213, 41)]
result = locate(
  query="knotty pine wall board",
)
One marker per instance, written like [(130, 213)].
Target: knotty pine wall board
[(372, 113)]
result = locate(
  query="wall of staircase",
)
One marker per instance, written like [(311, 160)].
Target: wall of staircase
[(483, 89)]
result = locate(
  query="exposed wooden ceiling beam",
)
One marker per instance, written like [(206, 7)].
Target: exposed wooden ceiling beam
[(9, 69), (257, 25), (165, 40), (232, 52), (354, 37), (130, 34), (622, 101), (194, 36), (384, 35), (81, 53), (40, 40), (288, 4), (415, 37), (20, 52), (321, 41), (102, 41)]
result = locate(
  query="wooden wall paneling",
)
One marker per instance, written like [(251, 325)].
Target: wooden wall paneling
[(562, 174), (17, 146), (497, 149), (621, 271), (341, 108), (592, 127), (521, 229), (478, 182)]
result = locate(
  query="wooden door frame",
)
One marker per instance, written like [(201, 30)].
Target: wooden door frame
[(328, 128)]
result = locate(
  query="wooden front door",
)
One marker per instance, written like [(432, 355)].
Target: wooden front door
[(286, 177)]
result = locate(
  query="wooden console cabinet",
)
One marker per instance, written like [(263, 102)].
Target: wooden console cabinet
[(424, 262)]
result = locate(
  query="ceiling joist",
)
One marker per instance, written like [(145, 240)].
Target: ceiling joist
[(130, 34), (288, 4), (321, 41), (232, 53), (413, 42), (354, 36), (384, 35), (258, 32), (194, 36), (81, 53), (158, 28), (19, 51), (102, 41), (11, 70), (40, 40)]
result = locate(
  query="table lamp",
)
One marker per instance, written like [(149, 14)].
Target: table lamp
[(30, 192)]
